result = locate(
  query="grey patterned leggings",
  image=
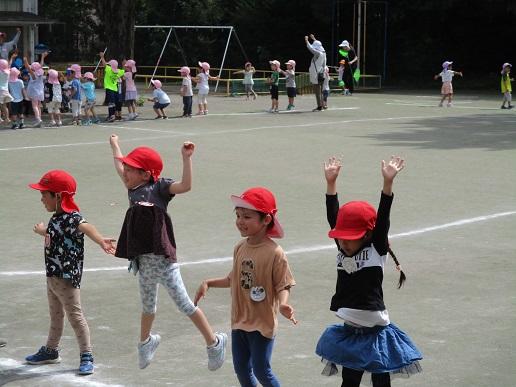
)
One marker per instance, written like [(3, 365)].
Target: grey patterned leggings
[(154, 270)]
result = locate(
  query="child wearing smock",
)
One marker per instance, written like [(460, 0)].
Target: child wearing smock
[(17, 91), (76, 94), (64, 261), (91, 98), (203, 87), (56, 97), (35, 87), (290, 82), (131, 93), (367, 341), (260, 283), (248, 81), (186, 91), (274, 85), (447, 88), (5, 97), (160, 98), (506, 86), (147, 240)]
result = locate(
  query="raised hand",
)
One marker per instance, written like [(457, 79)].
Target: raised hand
[(332, 169), (187, 149), (391, 169)]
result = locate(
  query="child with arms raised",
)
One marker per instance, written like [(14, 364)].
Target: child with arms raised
[(147, 240)]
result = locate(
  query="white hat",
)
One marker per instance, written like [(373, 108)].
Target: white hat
[(344, 43), (446, 64)]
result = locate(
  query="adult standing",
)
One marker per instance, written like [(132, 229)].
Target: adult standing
[(351, 58), (317, 66), (6, 47)]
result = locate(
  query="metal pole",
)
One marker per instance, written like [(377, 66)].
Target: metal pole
[(385, 42), (223, 58), (365, 40), (359, 32), (160, 55), (180, 48), (98, 64)]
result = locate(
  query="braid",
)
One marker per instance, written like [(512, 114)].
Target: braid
[(403, 277)]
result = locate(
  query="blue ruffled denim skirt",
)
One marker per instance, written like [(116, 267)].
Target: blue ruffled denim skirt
[(378, 349)]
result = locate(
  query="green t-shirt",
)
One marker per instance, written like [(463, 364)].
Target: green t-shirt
[(111, 78), (275, 78)]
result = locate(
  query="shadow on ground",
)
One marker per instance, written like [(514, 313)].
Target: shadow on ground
[(492, 132)]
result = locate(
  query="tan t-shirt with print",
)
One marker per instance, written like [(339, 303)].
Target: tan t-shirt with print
[(259, 273)]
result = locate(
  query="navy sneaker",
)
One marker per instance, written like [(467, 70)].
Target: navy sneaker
[(86, 367), (44, 356)]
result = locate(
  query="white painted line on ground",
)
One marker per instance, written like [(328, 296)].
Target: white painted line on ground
[(432, 100), (300, 250), (266, 112), (242, 130), (443, 107)]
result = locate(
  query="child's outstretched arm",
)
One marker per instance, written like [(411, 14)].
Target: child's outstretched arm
[(331, 173), (185, 184), (107, 244), (389, 172), (211, 283), (102, 59), (285, 309), (117, 152)]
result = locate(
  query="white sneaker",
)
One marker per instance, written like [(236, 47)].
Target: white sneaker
[(146, 351), (217, 353)]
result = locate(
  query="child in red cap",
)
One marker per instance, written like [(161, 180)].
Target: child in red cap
[(147, 240), (260, 283), (367, 341), (64, 260)]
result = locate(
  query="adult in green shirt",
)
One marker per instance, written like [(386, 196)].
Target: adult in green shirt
[(113, 85)]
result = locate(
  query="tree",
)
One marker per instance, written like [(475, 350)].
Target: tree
[(118, 19)]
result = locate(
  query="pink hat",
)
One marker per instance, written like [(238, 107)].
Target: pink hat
[(60, 182), (113, 64), (205, 66), (13, 75), (275, 62), (53, 77), (291, 62), (185, 70), (36, 67), (131, 64), (4, 66), (353, 221), (156, 83), (89, 75), (77, 70), (262, 200)]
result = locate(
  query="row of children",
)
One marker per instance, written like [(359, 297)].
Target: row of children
[(290, 83), (260, 279)]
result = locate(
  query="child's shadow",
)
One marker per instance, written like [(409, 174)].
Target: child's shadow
[(27, 371)]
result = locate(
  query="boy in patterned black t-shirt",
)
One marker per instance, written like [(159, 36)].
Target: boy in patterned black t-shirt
[(64, 258)]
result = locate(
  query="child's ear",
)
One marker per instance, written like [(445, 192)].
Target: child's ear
[(267, 219)]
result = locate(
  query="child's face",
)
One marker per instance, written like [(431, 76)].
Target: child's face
[(507, 69), (49, 201), (273, 67), (250, 223), (290, 67), (351, 247), (133, 177)]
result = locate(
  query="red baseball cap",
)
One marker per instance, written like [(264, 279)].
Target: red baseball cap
[(353, 221), (262, 200), (60, 182), (144, 158)]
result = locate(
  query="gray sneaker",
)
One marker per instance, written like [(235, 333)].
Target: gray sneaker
[(146, 351), (217, 354)]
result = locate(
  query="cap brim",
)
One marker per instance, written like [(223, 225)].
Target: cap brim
[(130, 162), (239, 202), (350, 235), (38, 187)]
